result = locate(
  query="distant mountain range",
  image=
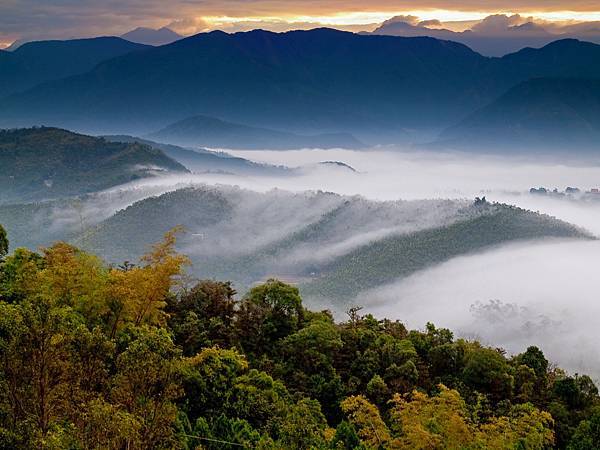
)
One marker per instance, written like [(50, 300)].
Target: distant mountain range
[(204, 131), (34, 63), (287, 89), (307, 82), (150, 36), (495, 35), (48, 163)]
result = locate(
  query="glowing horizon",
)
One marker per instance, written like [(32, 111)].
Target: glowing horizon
[(189, 18)]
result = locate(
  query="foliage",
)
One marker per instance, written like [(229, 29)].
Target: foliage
[(398, 256), (3, 242), (96, 356)]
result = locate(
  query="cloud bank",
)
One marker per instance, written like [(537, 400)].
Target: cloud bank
[(45, 19)]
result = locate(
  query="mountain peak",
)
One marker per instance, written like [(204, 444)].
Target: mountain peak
[(151, 36)]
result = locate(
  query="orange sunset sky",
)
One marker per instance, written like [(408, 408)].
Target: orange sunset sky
[(43, 19)]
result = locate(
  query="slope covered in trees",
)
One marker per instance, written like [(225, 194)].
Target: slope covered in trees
[(130, 356), (333, 245), (43, 163), (397, 256)]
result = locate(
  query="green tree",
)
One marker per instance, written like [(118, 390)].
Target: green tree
[(268, 312), (18, 275), (51, 364), (587, 434), (3, 242), (303, 426), (147, 384), (487, 371), (306, 362), (202, 316), (345, 437)]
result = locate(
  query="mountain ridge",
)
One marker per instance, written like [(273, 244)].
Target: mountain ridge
[(380, 89), (38, 62), (292, 81), (205, 131), (551, 114), (151, 36)]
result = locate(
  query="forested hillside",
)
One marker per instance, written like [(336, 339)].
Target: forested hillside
[(333, 245), (399, 256), (46, 163), (140, 356)]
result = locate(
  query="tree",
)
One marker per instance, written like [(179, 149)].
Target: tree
[(587, 434), (51, 363), (306, 362), (202, 316), (268, 312), (147, 384), (3, 243), (208, 379), (106, 426), (345, 437), (303, 426), (535, 359), (18, 275), (423, 422), (365, 417), (524, 427), (488, 372), (74, 278), (138, 294), (532, 388)]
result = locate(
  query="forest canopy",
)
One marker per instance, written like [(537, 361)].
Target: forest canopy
[(140, 356)]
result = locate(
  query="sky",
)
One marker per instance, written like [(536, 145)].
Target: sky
[(43, 19)]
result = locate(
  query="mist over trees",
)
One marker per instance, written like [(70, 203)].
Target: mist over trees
[(141, 356)]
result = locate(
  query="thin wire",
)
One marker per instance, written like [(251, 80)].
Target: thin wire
[(214, 440)]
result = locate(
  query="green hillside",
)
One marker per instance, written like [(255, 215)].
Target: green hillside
[(399, 256), (332, 246), (45, 163)]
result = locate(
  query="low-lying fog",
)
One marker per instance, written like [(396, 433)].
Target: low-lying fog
[(544, 294)]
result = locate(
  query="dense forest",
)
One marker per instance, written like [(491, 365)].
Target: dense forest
[(140, 356)]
